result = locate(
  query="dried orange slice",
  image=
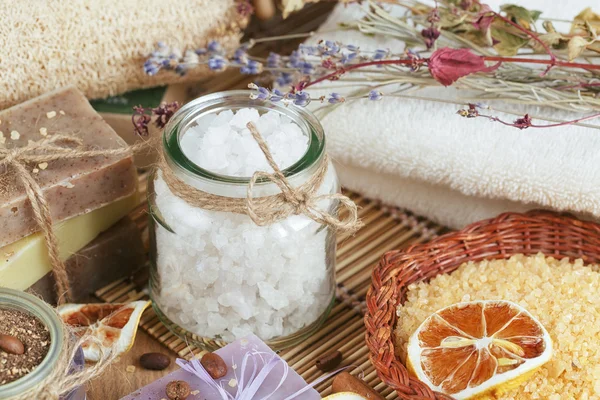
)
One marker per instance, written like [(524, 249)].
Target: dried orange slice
[(114, 325), (477, 349), (344, 396)]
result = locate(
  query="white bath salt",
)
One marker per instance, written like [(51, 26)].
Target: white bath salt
[(220, 274), (223, 144)]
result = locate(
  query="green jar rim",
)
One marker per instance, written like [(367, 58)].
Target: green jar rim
[(234, 100)]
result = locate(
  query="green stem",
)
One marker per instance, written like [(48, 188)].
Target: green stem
[(565, 64), (337, 73)]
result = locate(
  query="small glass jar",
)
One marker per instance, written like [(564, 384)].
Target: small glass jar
[(217, 276), (25, 302)]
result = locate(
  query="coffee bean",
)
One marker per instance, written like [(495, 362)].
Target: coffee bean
[(155, 361), (214, 365), (178, 390), (11, 344), (329, 361)]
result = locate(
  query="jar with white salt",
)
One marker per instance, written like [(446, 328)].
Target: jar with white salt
[(220, 272)]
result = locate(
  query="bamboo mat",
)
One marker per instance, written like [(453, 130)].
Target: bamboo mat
[(386, 228)]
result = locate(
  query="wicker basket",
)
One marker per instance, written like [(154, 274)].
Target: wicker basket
[(552, 234)]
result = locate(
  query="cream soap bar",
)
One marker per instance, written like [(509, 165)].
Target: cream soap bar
[(24, 262), (71, 187)]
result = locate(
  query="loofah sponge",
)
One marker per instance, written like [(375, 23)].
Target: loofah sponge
[(100, 46)]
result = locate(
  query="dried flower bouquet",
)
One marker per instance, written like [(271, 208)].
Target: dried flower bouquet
[(491, 56)]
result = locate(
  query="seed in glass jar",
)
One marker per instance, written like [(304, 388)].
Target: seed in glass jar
[(178, 390), (11, 344), (214, 365), (155, 361), (329, 361)]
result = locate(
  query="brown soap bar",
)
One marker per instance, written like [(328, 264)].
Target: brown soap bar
[(114, 254), (71, 187)]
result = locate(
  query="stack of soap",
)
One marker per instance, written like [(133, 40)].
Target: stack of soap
[(115, 253), (86, 196), (280, 382)]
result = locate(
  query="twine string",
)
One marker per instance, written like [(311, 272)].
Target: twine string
[(302, 200), (266, 210), (52, 148)]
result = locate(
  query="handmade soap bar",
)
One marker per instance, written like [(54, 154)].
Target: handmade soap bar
[(71, 187), (282, 381), (114, 254), (26, 261)]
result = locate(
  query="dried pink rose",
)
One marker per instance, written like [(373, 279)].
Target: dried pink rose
[(447, 65)]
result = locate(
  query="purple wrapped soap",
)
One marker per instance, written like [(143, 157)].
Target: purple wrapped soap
[(254, 371)]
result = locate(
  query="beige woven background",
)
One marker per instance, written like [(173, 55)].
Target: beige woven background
[(100, 45)]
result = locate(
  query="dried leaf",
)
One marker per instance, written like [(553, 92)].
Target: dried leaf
[(591, 30), (577, 45), (507, 43), (595, 47), (549, 26), (521, 15), (447, 65), (535, 14), (449, 21), (553, 39), (588, 16)]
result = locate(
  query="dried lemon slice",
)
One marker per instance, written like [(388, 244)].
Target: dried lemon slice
[(476, 349), (114, 325)]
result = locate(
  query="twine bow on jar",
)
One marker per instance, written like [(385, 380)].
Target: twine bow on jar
[(302, 200), (266, 210), (51, 148)]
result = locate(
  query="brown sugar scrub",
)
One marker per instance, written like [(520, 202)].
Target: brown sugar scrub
[(27, 329), (562, 295)]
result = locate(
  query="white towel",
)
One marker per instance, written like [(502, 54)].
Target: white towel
[(421, 156)]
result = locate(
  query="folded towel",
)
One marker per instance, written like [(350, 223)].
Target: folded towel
[(421, 156), (100, 46)]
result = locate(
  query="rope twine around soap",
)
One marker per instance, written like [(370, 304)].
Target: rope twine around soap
[(51, 148), (266, 210)]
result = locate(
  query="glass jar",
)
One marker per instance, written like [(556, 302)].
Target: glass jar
[(217, 276), (25, 302)]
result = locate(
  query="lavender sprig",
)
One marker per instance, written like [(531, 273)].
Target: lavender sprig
[(142, 117), (213, 55), (307, 60), (303, 98)]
